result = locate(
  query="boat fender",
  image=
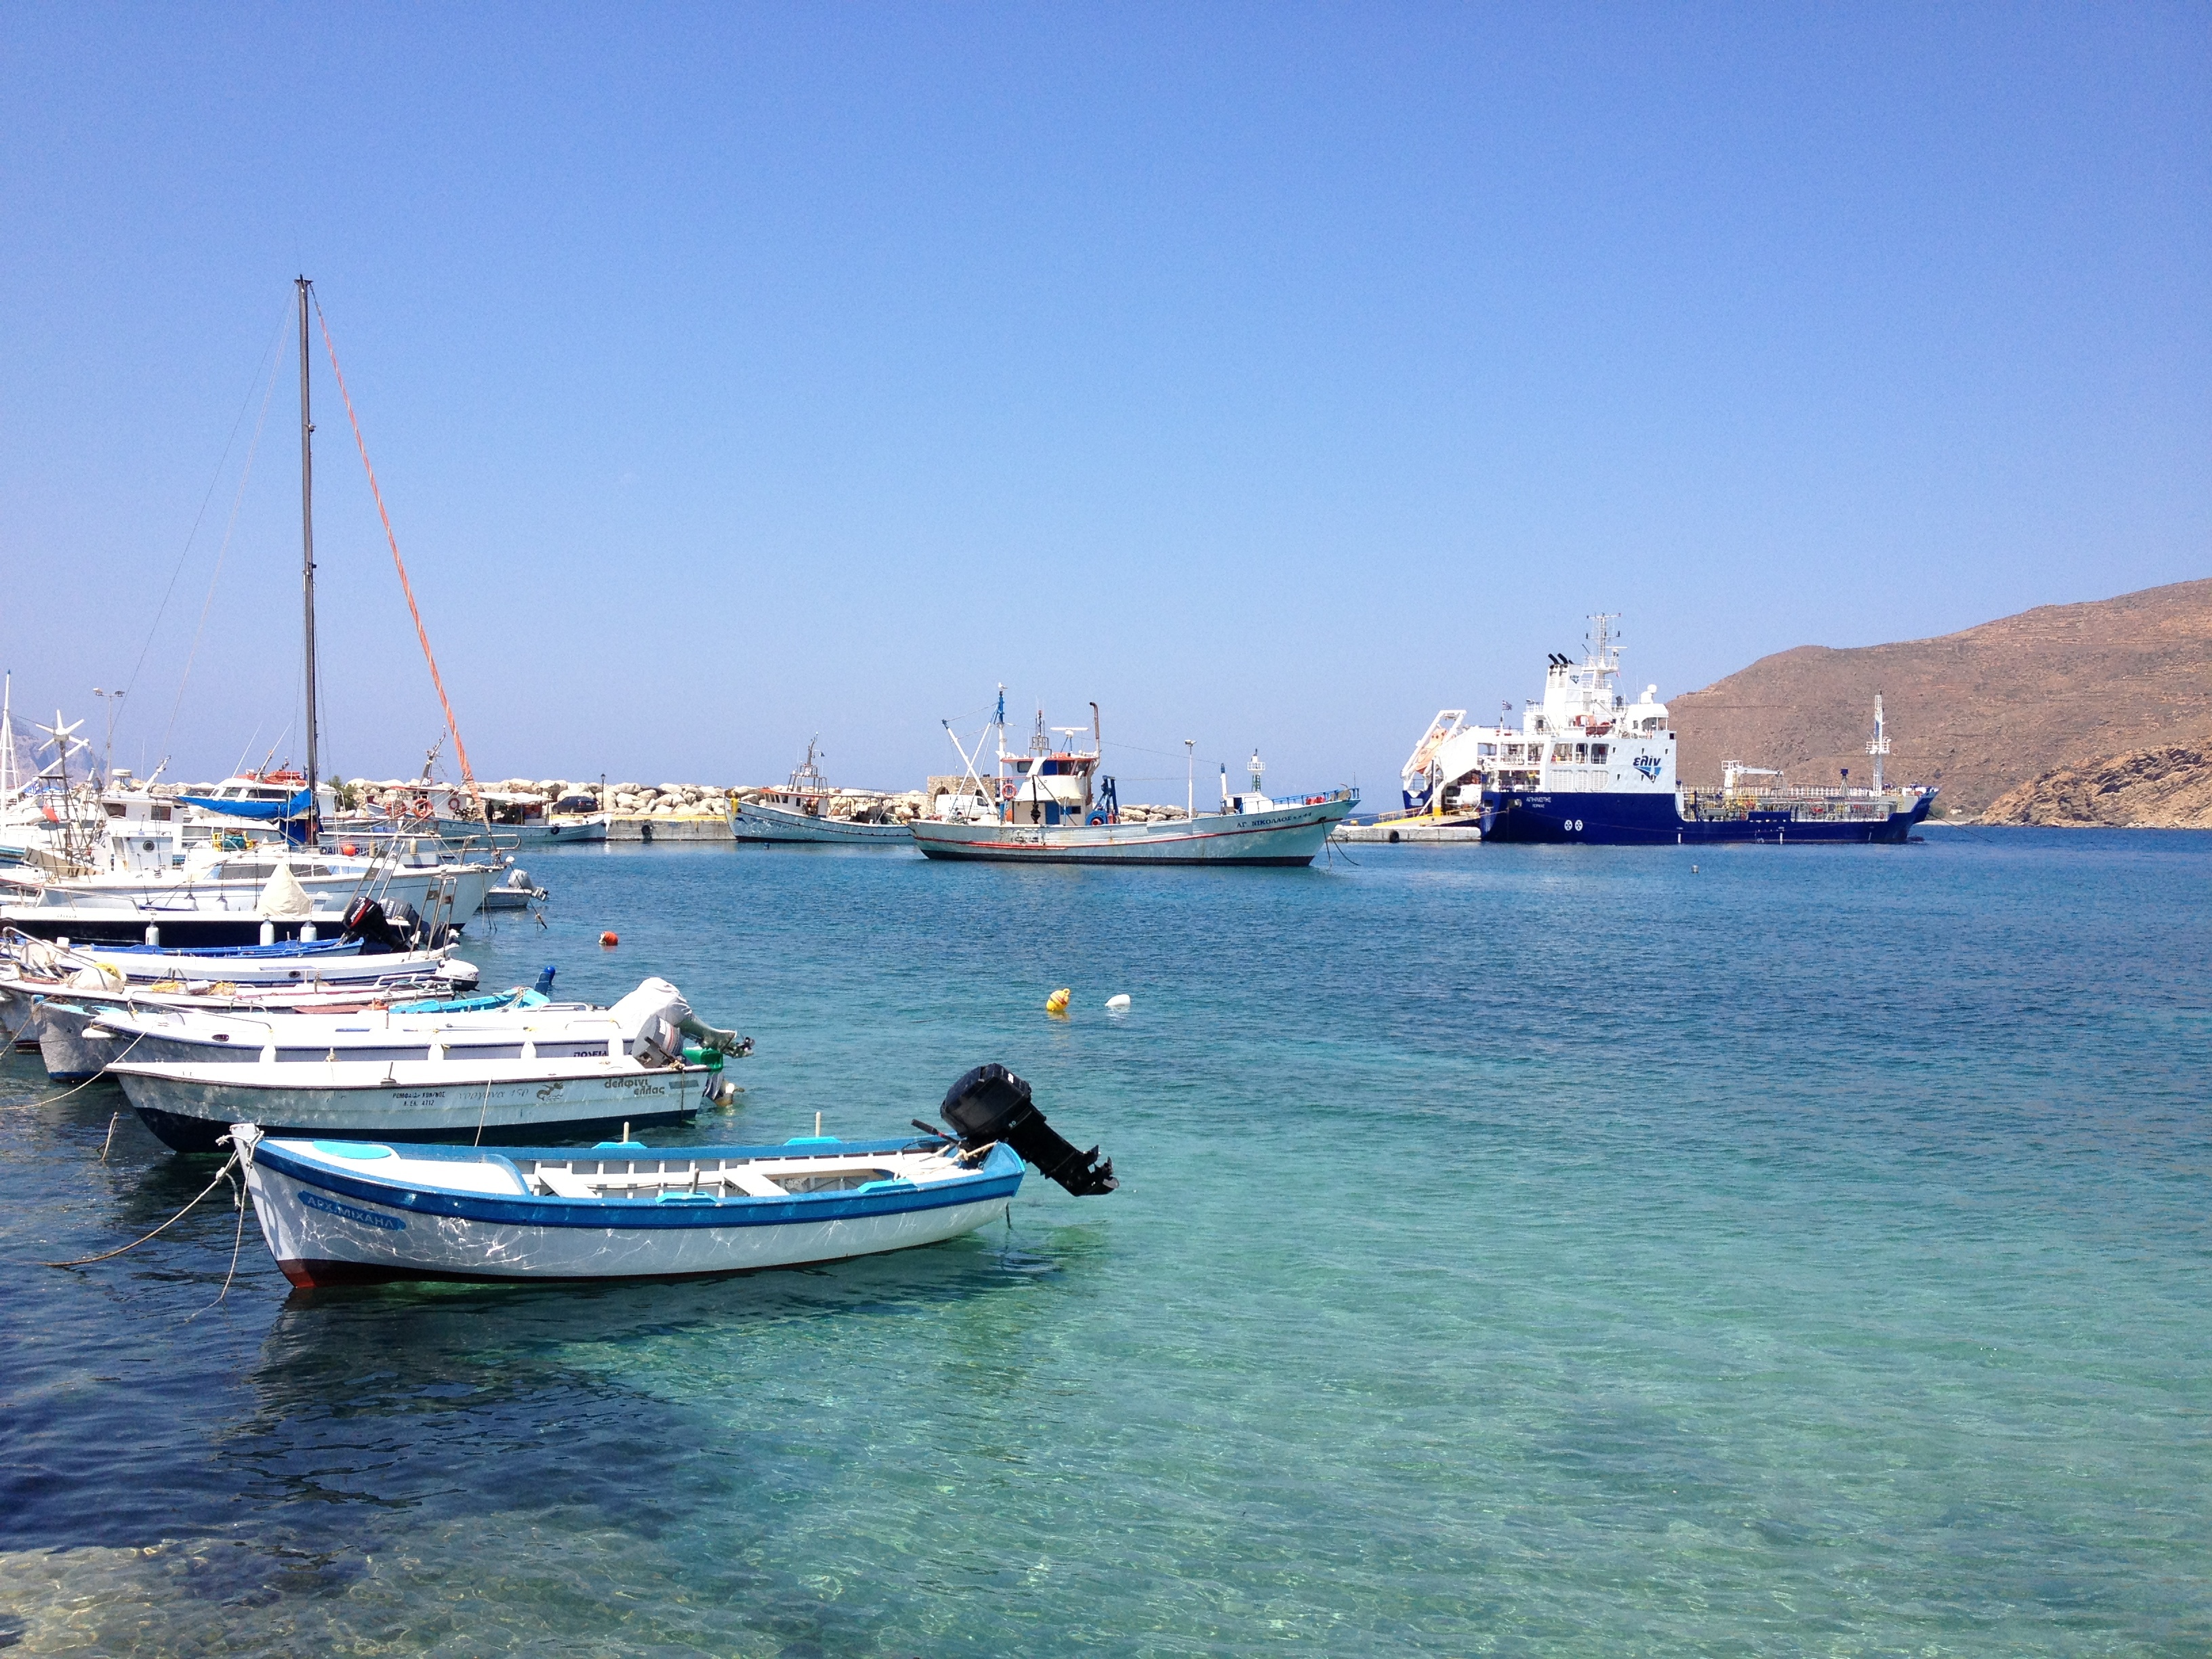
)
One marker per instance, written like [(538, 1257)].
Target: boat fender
[(990, 1103)]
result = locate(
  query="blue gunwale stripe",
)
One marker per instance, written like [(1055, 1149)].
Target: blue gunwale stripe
[(603, 1214)]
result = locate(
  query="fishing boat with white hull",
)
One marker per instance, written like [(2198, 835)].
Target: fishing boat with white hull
[(62, 1021), (486, 1080), (1587, 767), (1052, 805), (800, 813), (338, 1212), (514, 1026)]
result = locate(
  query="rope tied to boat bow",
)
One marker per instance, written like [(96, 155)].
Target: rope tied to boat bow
[(220, 1176)]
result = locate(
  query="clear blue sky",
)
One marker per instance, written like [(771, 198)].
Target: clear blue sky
[(1273, 374)]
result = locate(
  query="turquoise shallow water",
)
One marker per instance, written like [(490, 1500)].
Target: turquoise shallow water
[(1519, 1251)]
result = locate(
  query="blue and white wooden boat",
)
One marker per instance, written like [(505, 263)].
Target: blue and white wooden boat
[(349, 1213)]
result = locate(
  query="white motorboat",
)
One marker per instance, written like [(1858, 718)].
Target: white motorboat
[(521, 1024), (1052, 805), (56, 1018), (261, 895), (808, 810), (517, 892), (339, 1212), (188, 1106), (487, 1079), (331, 963)]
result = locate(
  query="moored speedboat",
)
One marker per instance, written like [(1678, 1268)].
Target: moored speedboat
[(442, 1078), (188, 1106)]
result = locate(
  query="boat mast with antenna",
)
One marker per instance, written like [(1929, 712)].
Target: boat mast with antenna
[(308, 532)]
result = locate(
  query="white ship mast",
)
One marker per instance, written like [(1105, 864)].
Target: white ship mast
[(1880, 747)]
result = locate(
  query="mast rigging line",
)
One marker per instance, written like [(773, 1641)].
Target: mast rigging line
[(460, 749), (229, 529), (193, 535)]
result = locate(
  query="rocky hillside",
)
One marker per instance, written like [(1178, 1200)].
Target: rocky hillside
[(2169, 788), (2061, 692)]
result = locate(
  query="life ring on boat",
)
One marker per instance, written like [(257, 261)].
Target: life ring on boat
[(421, 809)]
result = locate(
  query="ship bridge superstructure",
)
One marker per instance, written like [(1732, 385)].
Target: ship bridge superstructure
[(1582, 735)]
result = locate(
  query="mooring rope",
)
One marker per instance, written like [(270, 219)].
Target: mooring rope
[(237, 1243), (86, 1261)]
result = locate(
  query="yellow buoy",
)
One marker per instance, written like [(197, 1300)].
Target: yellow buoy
[(1057, 1002)]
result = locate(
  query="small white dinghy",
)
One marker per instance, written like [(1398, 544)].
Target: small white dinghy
[(348, 1212)]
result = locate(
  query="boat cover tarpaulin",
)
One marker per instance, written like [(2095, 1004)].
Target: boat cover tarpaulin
[(302, 804)]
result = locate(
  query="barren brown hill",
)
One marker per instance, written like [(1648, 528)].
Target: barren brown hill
[(2062, 687), (2169, 787)]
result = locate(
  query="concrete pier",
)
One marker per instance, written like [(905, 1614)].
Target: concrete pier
[(1415, 832), (665, 829)]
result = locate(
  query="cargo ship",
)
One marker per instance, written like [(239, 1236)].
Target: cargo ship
[(1586, 766)]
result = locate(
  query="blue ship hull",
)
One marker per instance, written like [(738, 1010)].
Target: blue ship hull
[(1600, 819)]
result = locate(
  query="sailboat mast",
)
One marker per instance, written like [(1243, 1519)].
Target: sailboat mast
[(308, 530)]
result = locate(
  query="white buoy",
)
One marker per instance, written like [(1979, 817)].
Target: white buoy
[(1118, 1005)]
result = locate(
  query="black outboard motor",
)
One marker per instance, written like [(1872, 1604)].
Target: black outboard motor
[(366, 921), (991, 1103), (382, 931)]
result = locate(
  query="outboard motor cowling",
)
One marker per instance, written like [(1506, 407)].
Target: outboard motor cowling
[(990, 1103), (378, 931)]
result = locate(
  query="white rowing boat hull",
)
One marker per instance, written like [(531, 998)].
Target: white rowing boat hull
[(190, 1106), (1288, 834), (331, 1220), (754, 822)]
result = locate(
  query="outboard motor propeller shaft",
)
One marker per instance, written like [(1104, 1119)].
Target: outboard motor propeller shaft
[(991, 1103)]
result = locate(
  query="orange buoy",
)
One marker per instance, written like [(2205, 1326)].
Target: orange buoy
[(348, 848), (608, 940)]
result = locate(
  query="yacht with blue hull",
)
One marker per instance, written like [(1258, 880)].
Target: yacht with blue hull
[(1587, 766)]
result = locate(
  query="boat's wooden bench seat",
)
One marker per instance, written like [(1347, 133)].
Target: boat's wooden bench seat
[(751, 1179)]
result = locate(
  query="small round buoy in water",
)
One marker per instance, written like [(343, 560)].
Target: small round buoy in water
[(609, 940), (1057, 1002), (1118, 1005)]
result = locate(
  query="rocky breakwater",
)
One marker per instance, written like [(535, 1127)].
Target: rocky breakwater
[(668, 811)]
